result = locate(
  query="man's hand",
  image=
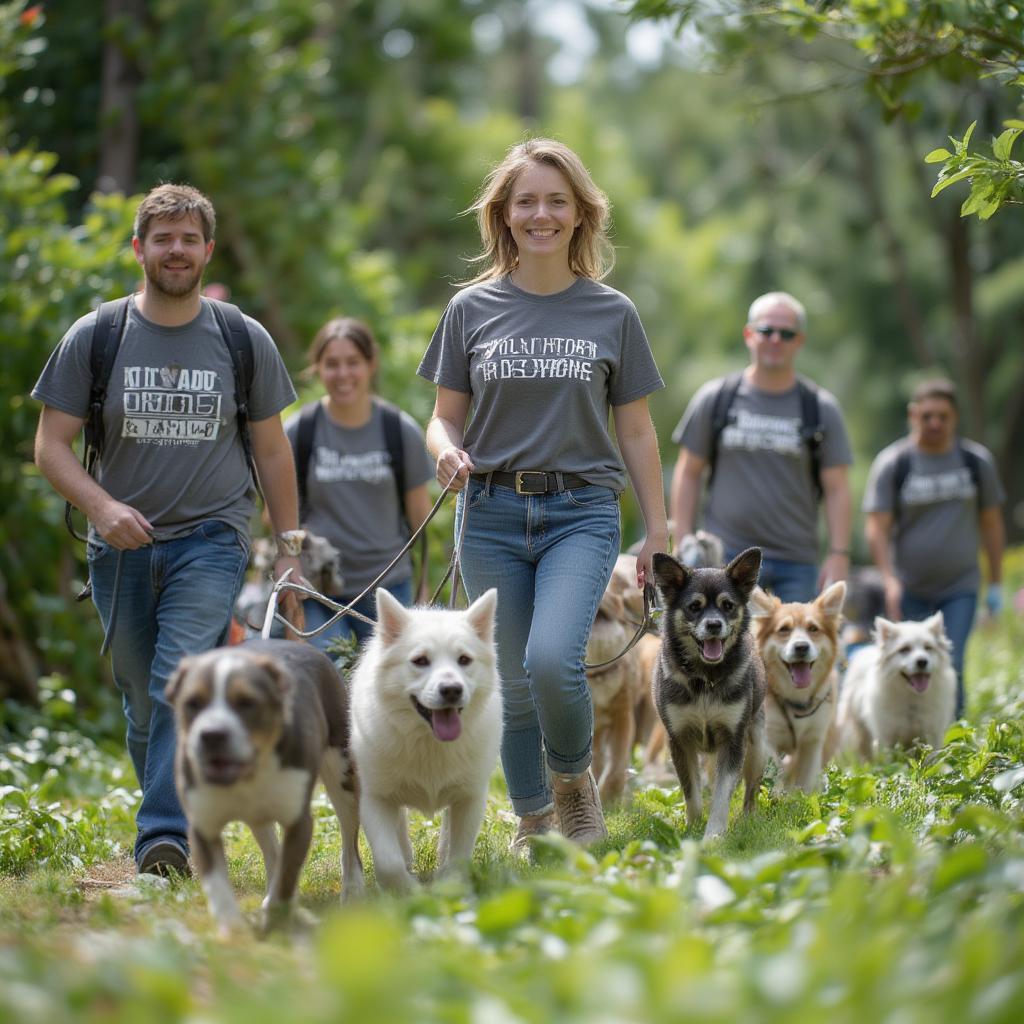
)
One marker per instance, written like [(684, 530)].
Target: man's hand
[(122, 526), (893, 598), (289, 601), (994, 599), (836, 567)]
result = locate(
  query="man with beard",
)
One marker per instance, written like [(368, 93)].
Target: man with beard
[(170, 504)]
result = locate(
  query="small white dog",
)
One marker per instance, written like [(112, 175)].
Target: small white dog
[(426, 727), (900, 689)]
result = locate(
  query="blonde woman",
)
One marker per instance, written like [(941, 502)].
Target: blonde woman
[(528, 360)]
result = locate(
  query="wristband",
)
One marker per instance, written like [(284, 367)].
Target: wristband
[(289, 543), (839, 551)]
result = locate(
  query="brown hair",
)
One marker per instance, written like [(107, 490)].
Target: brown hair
[(590, 251), (341, 327), (937, 387), (173, 202)]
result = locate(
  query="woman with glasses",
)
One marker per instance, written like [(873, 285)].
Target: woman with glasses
[(529, 358)]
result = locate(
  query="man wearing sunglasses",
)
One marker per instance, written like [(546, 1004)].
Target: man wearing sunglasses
[(775, 446), (932, 500)]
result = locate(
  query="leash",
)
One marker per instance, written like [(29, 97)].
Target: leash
[(647, 625), (805, 708), (285, 584)]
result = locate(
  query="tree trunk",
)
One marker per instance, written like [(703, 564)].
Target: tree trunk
[(119, 116), (907, 303), (18, 671), (967, 350)]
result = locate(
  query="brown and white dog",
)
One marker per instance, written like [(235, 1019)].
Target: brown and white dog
[(800, 646), (256, 725)]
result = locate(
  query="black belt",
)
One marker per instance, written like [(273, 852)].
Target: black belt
[(528, 481)]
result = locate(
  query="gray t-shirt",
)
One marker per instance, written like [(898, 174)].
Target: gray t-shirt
[(543, 371), (172, 449), (763, 492), (935, 529), (352, 497)]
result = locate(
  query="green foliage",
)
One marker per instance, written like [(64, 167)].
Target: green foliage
[(51, 273), (899, 40)]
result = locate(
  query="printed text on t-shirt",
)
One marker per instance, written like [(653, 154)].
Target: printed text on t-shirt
[(170, 405), (537, 358)]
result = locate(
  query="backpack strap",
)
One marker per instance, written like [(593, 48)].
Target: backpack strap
[(973, 464), (236, 336), (302, 450), (812, 430), (720, 415), (106, 339), (392, 424), (900, 472), (391, 421)]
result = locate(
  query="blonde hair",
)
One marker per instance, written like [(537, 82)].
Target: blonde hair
[(590, 250), (172, 202)]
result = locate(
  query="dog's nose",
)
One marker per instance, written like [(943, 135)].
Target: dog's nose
[(451, 693), (713, 627), (801, 649), (922, 663), (213, 740)]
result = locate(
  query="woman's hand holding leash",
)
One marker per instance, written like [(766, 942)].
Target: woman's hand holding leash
[(454, 465), (645, 558)]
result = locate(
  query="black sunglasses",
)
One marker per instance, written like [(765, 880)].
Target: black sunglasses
[(785, 333)]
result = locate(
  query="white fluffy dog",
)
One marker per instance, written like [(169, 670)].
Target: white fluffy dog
[(901, 689), (426, 726)]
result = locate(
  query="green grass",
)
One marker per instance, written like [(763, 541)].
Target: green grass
[(895, 893)]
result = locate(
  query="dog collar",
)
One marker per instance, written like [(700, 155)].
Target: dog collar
[(803, 709)]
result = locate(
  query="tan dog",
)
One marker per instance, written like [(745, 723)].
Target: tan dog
[(799, 644), (613, 691)]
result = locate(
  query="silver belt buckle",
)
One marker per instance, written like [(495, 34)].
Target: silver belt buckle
[(521, 486)]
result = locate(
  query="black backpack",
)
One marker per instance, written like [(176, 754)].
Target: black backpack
[(901, 470), (812, 432), (302, 449), (106, 339)]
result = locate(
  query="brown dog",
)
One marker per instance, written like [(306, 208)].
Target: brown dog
[(256, 725), (800, 645)]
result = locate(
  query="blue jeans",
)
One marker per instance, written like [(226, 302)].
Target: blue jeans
[(550, 556), (788, 581), (958, 616), (347, 626), (176, 598)]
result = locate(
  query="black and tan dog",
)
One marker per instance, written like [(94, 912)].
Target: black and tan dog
[(257, 724), (709, 683)]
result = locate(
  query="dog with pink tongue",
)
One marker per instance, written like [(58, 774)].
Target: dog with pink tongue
[(426, 728)]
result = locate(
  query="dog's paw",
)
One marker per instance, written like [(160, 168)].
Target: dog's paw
[(274, 916)]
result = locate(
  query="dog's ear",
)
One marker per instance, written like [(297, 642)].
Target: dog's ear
[(392, 616), (177, 676), (831, 599), (744, 569), (937, 624), (282, 680), (481, 614), (762, 604), (884, 629), (670, 576)]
